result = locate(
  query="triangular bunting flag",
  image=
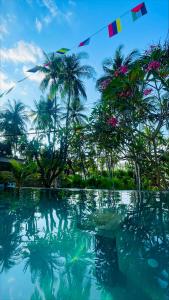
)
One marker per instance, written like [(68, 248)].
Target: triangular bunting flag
[(2, 95), (63, 50), (114, 28), (85, 43), (9, 90), (34, 70), (138, 11), (47, 64)]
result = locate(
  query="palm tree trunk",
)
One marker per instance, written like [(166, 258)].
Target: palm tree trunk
[(157, 169), (67, 126), (138, 177), (55, 119)]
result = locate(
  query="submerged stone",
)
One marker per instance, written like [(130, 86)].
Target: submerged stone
[(152, 263), (162, 283), (165, 274)]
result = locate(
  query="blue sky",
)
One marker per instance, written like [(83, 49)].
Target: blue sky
[(28, 26)]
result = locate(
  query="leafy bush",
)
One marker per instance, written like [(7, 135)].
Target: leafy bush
[(72, 181), (121, 180), (5, 176)]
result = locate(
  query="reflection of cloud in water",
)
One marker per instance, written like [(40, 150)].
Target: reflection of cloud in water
[(125, 197)]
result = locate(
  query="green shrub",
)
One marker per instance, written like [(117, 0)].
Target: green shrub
[(122, 180), (72, 181), (5, 176)]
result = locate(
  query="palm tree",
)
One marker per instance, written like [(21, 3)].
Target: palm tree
[(13, 122), (77, 116), (21, 172), (112, 65), (65, 74), (9, 240), (51, 69), (43, 116), (71, 84)]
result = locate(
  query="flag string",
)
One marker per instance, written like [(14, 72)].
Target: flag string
[(104, 27), (113, 28)]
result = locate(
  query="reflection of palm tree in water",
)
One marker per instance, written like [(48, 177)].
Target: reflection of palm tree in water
[(107, 268), (58, 262), (9, 241), (42, 262)]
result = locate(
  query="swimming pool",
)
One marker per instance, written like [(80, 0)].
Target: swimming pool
[(84, 245)]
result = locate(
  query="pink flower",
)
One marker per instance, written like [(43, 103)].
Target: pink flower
[(147, 92), (123, 69), (113, 121), (116, 73), (125, 94), (128, 93), (153, 65), (105, 84), (122, 94), (47, 64)]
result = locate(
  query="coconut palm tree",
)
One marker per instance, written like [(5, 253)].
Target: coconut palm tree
[(21, 172), (65, 74), (71, 84), (51, 69), (44, 115), (113, 65), (77, 115), (13, 122)]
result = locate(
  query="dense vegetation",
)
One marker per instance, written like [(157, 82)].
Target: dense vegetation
[(122, 144)]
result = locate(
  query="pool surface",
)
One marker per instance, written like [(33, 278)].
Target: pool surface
[(84, 245)]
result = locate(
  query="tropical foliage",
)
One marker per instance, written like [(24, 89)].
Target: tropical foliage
[(127, 128)]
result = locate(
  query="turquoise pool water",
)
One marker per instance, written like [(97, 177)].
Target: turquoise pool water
[(84, 245)]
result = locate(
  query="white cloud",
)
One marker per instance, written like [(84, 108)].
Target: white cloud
[(52, 7), (3, 31), (38, 25), (23, 52), (23, 91), (5, 84), (71, 2), (29, 2), (68, 16), (55, 12), (38, 76), (5, 23), (47, 20)]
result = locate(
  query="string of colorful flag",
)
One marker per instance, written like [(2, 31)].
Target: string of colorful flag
[(11, 88), (113, 29)]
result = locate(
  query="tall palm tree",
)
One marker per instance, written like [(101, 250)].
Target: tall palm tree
[(13, 122), (77, 115), (51, 69), (72, 86), (43, 116), (65, 74), (111, 65)]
